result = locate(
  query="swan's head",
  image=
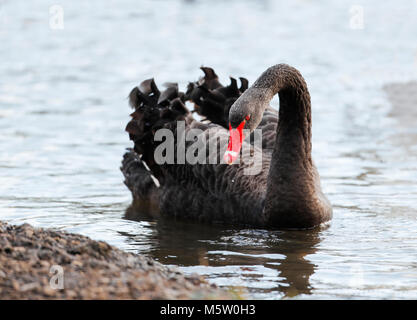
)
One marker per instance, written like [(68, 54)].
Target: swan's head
[(245, 113)]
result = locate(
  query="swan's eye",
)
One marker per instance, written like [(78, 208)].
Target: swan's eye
[(247, 117)]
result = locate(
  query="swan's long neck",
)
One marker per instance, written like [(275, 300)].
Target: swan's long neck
[(294, 124), (291, 181)]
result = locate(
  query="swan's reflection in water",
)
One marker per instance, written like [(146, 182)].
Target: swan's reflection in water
[(270, 261)]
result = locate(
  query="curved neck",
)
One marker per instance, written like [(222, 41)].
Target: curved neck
[(294, 123), (291, 186)]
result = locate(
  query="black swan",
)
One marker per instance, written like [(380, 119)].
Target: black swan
[(284, 194)]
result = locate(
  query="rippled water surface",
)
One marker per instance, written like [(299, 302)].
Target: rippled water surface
[(63, 110)]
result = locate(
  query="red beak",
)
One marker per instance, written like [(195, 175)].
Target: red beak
[(235, 143)]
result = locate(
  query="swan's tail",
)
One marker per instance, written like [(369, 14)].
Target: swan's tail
[(213, 100), (138, 178), (153, 110), (143, 185)]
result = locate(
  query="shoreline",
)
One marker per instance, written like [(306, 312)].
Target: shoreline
[(38, 263)]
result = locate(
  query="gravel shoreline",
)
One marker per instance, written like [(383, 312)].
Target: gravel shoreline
[(36, 263)]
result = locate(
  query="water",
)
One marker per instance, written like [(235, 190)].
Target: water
[(63, 109)]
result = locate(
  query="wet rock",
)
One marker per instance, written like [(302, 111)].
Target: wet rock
[(46, 264)]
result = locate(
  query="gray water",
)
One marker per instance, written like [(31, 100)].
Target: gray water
[(63, 110)]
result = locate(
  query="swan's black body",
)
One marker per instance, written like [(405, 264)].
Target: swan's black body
[(286, 193)]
